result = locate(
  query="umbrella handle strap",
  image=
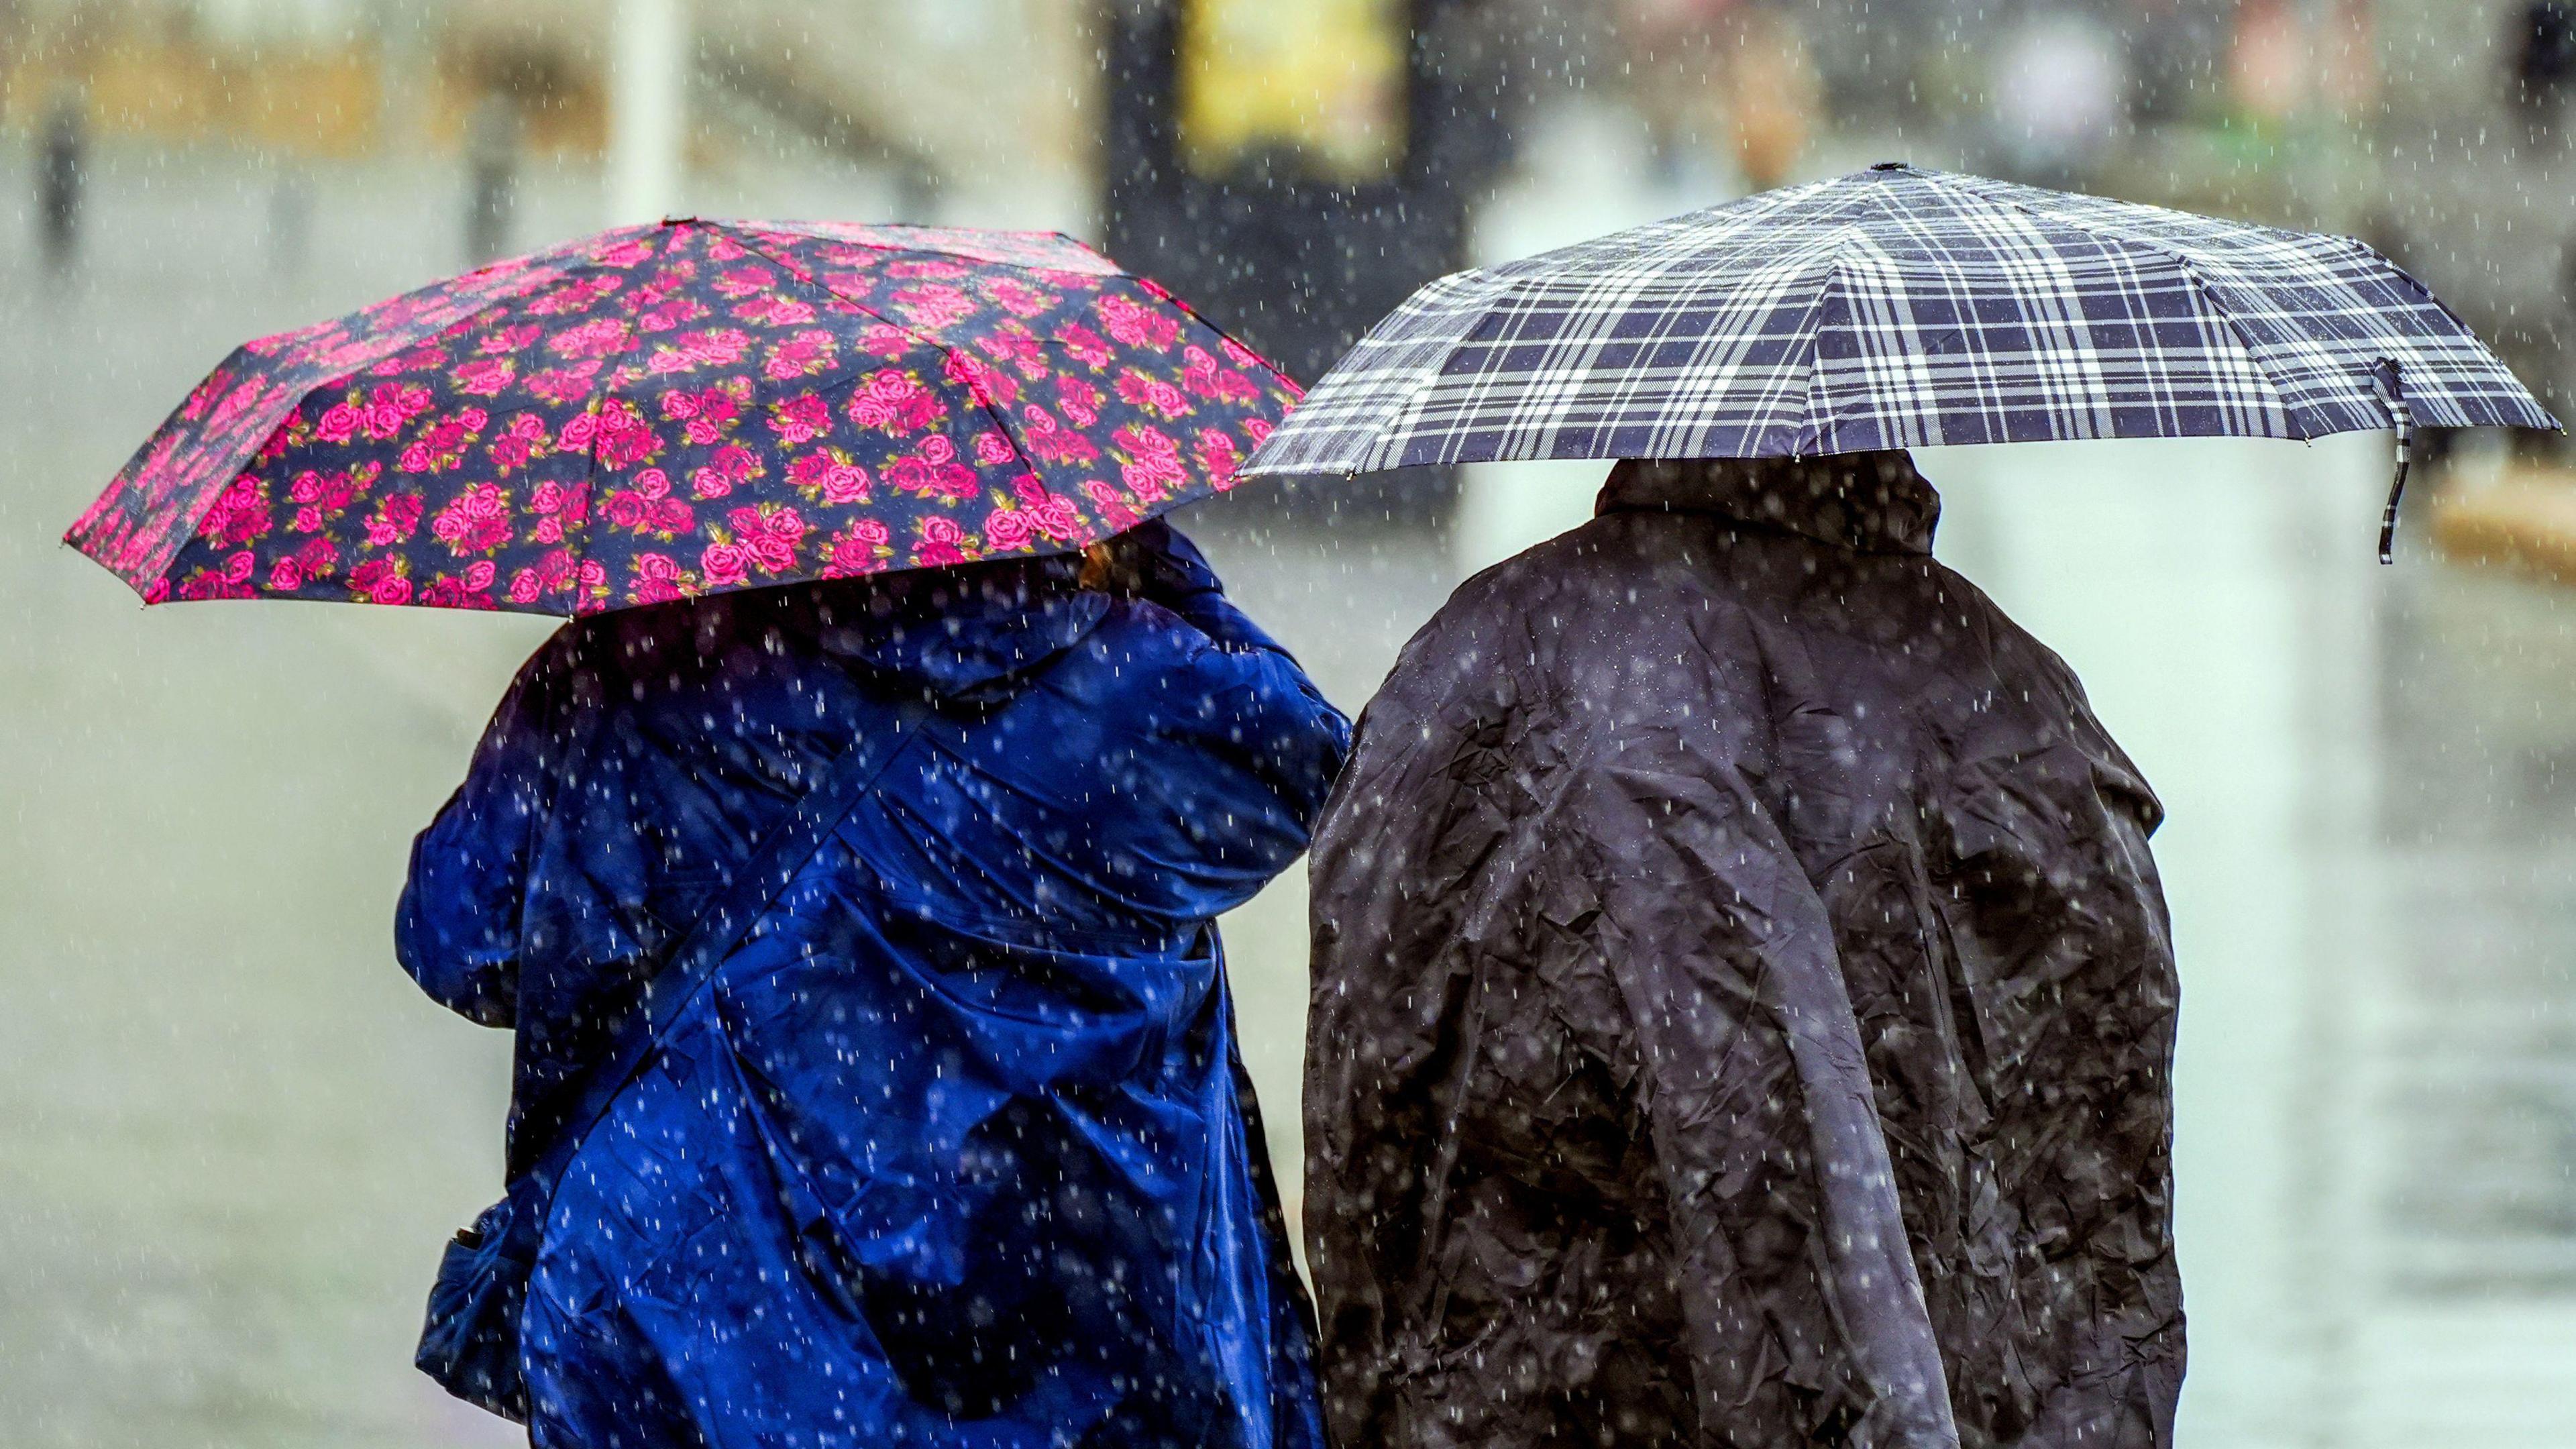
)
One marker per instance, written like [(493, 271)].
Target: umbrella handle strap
[(2392, 390)]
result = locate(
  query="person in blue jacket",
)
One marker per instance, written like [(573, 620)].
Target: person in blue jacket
[(954, 1147)]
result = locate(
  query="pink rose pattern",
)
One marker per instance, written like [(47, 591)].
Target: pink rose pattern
[(662, 412)]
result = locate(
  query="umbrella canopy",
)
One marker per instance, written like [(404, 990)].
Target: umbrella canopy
[(1897, 308), (668, 411)]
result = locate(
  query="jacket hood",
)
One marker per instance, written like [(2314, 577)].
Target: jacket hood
[(1867, 502), (944, 633)]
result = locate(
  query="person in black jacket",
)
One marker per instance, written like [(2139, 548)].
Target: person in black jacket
[(1743, 1003)]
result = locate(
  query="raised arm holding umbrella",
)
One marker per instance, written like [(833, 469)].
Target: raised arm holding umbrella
[(1743, 997), (875, 1075)]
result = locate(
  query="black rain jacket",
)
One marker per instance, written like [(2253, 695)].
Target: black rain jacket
[(1743, 1003)]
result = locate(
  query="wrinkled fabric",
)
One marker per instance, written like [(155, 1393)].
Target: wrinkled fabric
[(1743, 1003), (956, 1147)]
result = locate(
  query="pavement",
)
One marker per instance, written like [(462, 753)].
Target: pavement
[(233, 1137)]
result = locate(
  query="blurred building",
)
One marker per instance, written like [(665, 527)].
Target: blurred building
[(1298, 169), (877, 85), (2479, 202)]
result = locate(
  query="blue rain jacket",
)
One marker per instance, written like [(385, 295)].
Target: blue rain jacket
[(956, 1148)]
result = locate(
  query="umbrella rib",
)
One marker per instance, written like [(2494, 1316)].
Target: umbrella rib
[(590, 455), (382, 346), (973, 392), (1430, 376), (1169, 298), (2182, 263), (1502, 283), (2371, 253), (1173, 299), (1833, 283), (794, 228)]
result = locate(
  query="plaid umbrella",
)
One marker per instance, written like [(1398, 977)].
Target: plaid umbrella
[(668, 411), (1897, 308)]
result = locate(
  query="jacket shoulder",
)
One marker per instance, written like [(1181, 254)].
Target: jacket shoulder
[(1571, 610)]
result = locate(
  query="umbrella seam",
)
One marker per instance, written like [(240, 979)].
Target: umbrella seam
[(1503, 278), (1376, 455), (337, 378), (1833, 285), (1832, 269), (974, 393), (786, 228), (590, 456), (1173, 299), (2352, 247), (2373, 254), (2182, 263), (1028, 456)]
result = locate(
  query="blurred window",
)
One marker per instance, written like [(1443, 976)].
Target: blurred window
[(1320, 81)]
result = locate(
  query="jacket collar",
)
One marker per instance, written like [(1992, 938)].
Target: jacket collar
[(1865, 502), (956, 631)]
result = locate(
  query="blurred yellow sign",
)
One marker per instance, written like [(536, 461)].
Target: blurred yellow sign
[(1319, 80)]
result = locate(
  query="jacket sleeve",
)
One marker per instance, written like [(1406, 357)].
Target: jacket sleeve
[(457, 928), (1703, 921), (1245, 699), (1171, 571)]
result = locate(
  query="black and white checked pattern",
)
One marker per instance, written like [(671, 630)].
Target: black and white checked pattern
[(1897, 308)]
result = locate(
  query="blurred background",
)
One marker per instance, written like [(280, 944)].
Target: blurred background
[(232, 1136)]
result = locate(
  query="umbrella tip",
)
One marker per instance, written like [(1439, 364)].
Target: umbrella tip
[(1893, 166)]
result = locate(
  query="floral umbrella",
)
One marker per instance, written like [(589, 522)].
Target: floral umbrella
[(668, 411)]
